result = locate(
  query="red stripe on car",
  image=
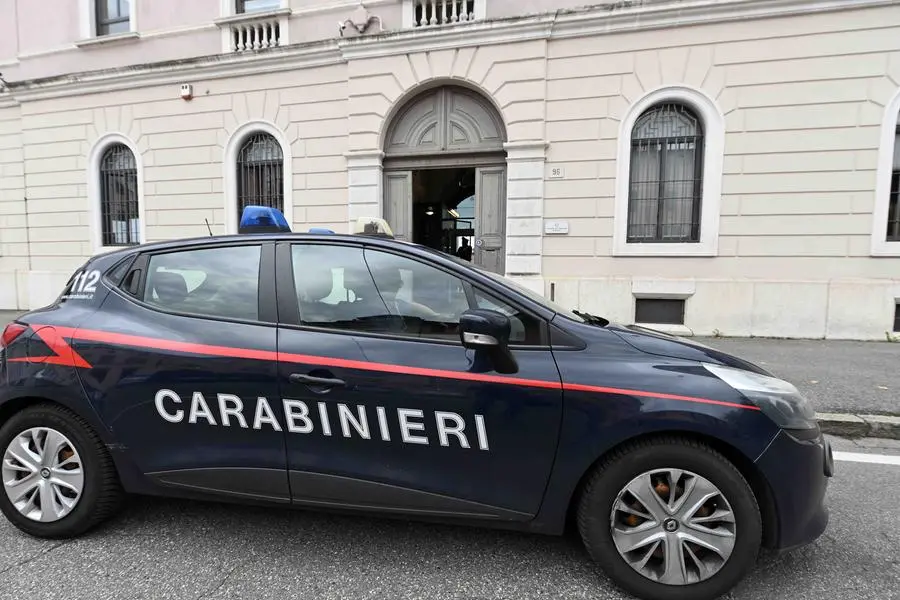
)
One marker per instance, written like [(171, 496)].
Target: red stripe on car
[(136, 341)]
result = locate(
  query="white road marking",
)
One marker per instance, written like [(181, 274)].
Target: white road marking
[(879, 459)]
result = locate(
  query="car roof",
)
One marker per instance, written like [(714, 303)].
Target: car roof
[(216, 240), (410, 248), (200, 241)]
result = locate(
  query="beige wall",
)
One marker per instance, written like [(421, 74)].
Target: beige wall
[(803, 99)]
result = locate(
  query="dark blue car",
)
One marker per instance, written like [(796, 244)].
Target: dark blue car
[(358, 373)]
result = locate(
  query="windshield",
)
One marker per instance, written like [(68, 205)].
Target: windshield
[(525, 291)]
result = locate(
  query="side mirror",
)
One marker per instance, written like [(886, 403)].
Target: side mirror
[(488, 331)]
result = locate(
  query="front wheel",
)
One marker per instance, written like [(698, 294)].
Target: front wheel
[(57, 476), (670, 519)]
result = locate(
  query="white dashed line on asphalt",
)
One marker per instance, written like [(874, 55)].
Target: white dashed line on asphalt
[(878, 459)]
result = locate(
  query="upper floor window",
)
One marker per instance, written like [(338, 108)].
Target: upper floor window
[(666, 179), (119, 216), (893, 224), (250, 6), (260, 173), (113, 16)]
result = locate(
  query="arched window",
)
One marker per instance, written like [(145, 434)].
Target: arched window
[(666, 175), (260, 173), (893, 224), (119, 215)]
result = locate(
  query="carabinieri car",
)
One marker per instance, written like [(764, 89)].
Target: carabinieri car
[(361, 373)]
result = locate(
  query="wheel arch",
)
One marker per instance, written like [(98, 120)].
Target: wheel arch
[(16, 405), (761, 489)]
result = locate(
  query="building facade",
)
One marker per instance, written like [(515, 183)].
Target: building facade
[(708, 167)]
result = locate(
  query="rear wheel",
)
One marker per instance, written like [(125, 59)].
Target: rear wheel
[(58, 477), (670, 519)]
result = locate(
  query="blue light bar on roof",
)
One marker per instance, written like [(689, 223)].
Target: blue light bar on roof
[(322, 230), (263, 219)]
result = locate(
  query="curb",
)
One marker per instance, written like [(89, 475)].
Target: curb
[(857, 426)]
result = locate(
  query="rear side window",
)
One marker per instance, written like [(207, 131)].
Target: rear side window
[(116, 274), (211, 282)]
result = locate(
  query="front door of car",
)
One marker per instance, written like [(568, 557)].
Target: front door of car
[(386, 410), (183, 370)]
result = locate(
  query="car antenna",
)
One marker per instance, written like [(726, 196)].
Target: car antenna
[(207, 226)]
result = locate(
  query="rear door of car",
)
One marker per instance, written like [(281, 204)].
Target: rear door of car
[(389, 411), (182, 367)]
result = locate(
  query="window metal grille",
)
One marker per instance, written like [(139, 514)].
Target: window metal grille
[(113, 16), (249, 6), (897, 318), (119, 197), (666, 179), (893, 225), (260, 173)]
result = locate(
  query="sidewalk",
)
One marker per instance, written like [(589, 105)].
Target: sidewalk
[(854, 379), (853, 386), (836, 376)]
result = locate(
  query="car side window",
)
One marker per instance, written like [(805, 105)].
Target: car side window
[(524, 329), (428, 301), (212, 282), (344, 287), (336, 291)]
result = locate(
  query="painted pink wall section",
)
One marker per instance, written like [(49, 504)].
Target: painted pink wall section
[(9, 35), (184, 45), (156, 15), (47, 24), (25, 29)]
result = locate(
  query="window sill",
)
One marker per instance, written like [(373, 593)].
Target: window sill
[(102, 40), (884, 249), (701, 249), (252, 16)]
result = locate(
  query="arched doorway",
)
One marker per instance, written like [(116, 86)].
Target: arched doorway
[(445, 175)]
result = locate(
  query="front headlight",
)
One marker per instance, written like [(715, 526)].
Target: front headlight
[(776, 398)]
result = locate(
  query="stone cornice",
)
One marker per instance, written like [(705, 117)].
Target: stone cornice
[(624, 15), (7, 100)]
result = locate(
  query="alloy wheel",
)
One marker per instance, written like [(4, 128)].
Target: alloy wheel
[(42, 474), (673, 526)]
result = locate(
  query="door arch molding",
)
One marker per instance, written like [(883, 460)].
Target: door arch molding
[(448, 126), (444, 119)]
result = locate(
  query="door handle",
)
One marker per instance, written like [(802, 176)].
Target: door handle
[(310, 380)]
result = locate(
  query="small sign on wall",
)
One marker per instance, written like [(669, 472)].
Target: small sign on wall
[(556, 227), (557, 173)]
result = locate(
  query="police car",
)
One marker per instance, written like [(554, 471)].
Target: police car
[(360, 373)]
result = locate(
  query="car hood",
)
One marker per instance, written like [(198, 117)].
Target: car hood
[(671, 346)]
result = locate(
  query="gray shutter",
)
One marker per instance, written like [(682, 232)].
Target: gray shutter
[(398, 203), (490, 218)]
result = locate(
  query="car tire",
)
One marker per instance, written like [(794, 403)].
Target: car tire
[(601, 494), (101, 493)]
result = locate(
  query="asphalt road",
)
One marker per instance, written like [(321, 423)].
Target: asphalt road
[(837, 376), (180, 550)]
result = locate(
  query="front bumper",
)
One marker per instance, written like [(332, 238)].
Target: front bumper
[(798, 472)]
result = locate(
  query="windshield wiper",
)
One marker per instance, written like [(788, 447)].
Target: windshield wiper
[(592, 319)]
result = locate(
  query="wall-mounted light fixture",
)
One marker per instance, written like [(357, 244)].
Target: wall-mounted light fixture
[(429, 211)]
